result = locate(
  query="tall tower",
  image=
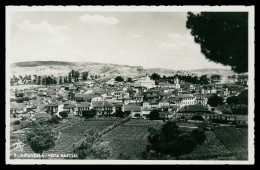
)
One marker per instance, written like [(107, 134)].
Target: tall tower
[(176, 82)]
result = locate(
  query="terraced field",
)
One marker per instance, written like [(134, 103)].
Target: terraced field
[(131, 137), (223, 143), (73, 133), (212, 148), (235, 140)]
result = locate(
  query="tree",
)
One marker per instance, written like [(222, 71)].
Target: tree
[(215, 77), (155, 76), (65, 79), (232, 100), (120, 113), (39, 80), (60, 81), (243, 97), (12, 82), (76, 76), (49, 80), (69, 77), (40, 139), (63, 114), (204, 79), (215, 101), (170, 140), (129, 79), (72, 73), (89, 114), (17, 122), (54, 81), (85, 75), (93, 147), (198, 135), (240, 111), (154, 115), (54, 120), (220, 35), (119, 79), (35, 79), (22, 99), (197, 117)]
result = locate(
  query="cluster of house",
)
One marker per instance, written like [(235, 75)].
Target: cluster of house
[(138, 98)]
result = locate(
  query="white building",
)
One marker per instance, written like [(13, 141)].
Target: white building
[(145, 82)]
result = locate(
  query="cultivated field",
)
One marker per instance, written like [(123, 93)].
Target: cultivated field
[(72, 133), (235, 140), (130, 138), (223, 143)]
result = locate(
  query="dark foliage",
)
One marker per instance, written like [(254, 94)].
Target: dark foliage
[(120, 113), (63, 114), (223, 37), (154, 115), (215, 101), (129, 79), (17, 122), (22, 99), (40, 139), (169, 140), (89, 114), (54, 120), (85, 75), (92, 147), (240, 111), (119, 79), (155, 76), (197, 117), (242, 98), (215, 77), (232, 100)]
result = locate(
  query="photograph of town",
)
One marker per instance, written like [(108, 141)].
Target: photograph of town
[(128, 85)]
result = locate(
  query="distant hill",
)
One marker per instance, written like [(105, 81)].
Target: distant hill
[(61, 68), (211, 71), (40, 63)]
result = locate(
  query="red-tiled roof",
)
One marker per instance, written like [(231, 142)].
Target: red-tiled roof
[(84, 104), (69, 106), (132, 108), (101, 104)]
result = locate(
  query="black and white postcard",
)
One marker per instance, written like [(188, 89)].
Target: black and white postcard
[(130, 85)]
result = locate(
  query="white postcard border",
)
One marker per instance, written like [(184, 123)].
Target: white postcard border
[(251, 83)]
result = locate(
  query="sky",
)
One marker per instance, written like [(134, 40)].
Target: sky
[(148, 39)]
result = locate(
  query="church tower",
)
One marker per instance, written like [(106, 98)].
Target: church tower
[(176, 82)]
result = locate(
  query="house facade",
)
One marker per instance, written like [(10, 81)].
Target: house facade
[(102, 107)]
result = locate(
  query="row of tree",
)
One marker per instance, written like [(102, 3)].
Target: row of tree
[(121, 79), (203, 79), (242, 98)]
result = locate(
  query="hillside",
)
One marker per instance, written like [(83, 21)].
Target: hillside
[(60, 68)]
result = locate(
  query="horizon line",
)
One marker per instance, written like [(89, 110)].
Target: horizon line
[(120, 65)]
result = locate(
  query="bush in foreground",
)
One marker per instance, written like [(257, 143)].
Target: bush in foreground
[(170, 140), (63, 114), (93, 147), (17, 122), (54, 120), (40, 139), (154, 115), (89, 114)]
